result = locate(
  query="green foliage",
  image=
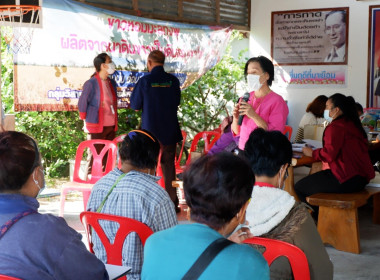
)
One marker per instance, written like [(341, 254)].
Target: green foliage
[(58, 135), (6, 78), (205, 103)]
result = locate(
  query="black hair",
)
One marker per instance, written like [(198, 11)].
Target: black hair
[(265, 64), (267, 151), (19, 156), (359, 108), (347, 105), (98, 61), (216, 188), (140, 149)]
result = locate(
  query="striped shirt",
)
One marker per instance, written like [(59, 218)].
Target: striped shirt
[(136, 196)]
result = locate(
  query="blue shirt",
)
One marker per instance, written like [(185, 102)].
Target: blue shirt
[(43, 246), (136, 196), (169, 254), (158, 94)]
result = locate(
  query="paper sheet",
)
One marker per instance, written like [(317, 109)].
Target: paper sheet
[(117, 271)]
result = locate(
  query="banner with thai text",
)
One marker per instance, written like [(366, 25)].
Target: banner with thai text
[(313, 76), (318, 36), (50, 75)]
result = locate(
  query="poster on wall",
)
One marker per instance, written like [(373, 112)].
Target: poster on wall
[(373, 85), (311, 76), (318, 36), (50, 75)]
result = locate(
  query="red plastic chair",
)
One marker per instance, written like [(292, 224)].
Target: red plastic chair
[(117, 140), (276, 248), (209, 138), (159, 172), (178, 168), (126, 226), (289, 130), (85, 185), (6, 277)]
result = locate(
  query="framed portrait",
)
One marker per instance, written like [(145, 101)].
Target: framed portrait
[(317, 36), (373, 85)]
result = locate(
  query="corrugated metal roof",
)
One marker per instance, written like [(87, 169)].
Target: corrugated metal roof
[(210, 12)]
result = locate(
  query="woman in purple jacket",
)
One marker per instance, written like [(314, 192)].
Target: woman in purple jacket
[(34, 245)]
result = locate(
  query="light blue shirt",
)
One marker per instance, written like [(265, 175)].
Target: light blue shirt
[(169, 254), (136, 196)]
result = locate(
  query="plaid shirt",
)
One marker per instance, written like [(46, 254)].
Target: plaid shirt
[(136, 196)]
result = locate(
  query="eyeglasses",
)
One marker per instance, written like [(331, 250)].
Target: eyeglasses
[(133, 133), (36, 161), (286, 174)]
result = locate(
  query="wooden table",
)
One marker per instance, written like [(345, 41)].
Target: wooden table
[(302, 161)]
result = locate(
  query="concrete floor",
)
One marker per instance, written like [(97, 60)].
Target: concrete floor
[(365, 265)]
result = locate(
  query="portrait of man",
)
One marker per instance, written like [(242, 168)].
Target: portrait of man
[(335, 29)]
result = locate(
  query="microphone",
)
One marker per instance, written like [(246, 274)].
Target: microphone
[(244, 98)]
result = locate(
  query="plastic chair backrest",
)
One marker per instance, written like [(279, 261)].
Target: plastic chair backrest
[(126, 226), (97, 164), (209, 138), (289, 130), (276, 248), (117, 140), (178, 159), (6, 277)]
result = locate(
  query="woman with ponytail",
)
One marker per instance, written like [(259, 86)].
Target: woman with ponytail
[(345, 149)]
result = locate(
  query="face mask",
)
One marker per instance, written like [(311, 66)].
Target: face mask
[(111, 68), (239, 226), (253, 82), (38, 185), (326, 115), (279, 179)]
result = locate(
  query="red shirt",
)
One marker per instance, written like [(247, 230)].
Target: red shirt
[(345, 150)]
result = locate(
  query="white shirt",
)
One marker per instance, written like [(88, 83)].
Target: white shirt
[(337, 54)]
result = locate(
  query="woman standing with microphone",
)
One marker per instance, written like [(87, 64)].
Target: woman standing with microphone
[(264, 108)]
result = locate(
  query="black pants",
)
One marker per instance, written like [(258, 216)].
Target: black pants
[(168, 170), (325, 182)]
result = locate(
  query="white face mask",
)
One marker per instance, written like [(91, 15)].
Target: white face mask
[(38, 185), (111, 68), (254, 82), (326, 115), (279, 179)]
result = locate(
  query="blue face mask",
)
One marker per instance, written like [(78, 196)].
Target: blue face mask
[(326, 115)]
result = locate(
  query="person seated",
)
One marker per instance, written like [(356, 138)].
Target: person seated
[(34, 245), (313, 116), (217, 190), (227, 142), (273, 213), (345, 149), (133, 192)]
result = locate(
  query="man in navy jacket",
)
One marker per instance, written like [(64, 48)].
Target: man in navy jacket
[(158, 95)]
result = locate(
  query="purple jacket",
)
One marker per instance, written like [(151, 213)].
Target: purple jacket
[(91, 101), (43, 246)]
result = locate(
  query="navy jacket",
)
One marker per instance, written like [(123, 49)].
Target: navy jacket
[(158, 95)]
